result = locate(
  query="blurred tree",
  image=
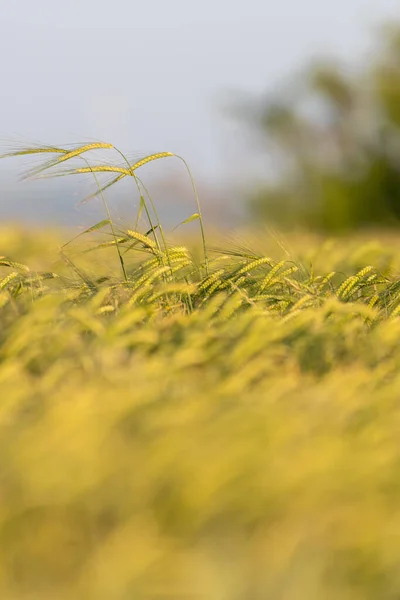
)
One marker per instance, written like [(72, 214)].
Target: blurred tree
[(337, 136)]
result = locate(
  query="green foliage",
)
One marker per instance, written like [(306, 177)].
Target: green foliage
[(336, 137)]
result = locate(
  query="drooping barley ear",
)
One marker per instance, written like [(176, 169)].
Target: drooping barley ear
[(146, 241), (270, 278), (82, 149), (99, 169), (325, 281), (150, 158), (255, 264), (28, 151), (6, 280), (147, 279), (210, 280), (351, 284)]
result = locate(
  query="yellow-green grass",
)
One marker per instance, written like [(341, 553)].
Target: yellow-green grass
[(159, 443), (176, 431)]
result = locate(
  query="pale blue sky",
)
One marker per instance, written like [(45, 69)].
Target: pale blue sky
[(153, 75)]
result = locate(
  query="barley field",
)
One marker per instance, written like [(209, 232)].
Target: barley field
[(213, 420)]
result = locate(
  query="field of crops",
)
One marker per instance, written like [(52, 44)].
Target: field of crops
[(175, 425), (182, 435)]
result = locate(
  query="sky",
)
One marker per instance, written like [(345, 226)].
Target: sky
[(155, 76)]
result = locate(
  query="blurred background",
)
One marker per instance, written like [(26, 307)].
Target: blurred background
[(287, 113)]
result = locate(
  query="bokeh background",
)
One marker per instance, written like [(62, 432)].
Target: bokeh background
[(231, 86), (187, 420)]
